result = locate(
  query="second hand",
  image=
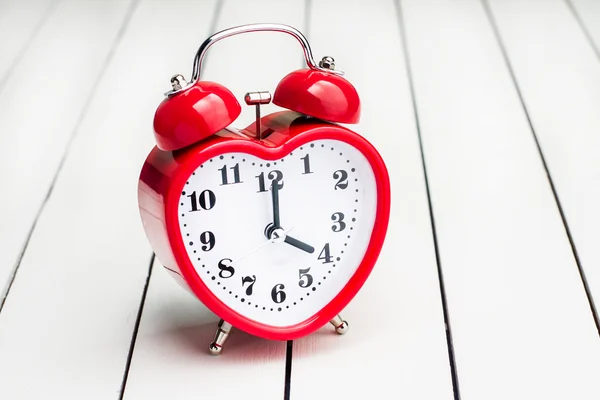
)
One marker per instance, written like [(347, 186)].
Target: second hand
[(271, 240)]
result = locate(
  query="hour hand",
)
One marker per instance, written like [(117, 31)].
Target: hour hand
[(275, 197), (298, 244)]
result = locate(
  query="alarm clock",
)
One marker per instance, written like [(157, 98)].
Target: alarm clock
[(274, 227)]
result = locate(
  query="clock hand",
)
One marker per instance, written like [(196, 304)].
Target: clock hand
[(275, 198), (273, 238), (298, 244)]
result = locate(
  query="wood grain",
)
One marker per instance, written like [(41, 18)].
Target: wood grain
[(396, 342), (520, 318), (547, 38), (40, 109), (20, 22)]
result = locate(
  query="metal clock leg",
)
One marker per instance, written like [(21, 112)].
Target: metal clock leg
[(223, 331), (340, 325)]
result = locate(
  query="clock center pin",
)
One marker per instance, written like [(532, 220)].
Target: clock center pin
[(277, 235)]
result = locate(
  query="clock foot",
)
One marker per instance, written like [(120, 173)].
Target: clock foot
[(223, 331), (340, 325)]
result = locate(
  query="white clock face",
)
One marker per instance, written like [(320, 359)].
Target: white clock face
[(279, 275)]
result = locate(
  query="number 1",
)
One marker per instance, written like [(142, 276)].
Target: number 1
[(306, 165)]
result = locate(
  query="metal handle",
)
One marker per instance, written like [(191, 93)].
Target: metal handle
[(197, 69)]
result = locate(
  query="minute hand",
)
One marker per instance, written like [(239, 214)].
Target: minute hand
[(298, 244)]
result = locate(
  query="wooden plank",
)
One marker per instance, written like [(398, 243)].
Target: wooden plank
[(587, 13), (66, 328), (171, 357), (40, 107), (20, 23), (563, 103), (520, 318), (396, 321)]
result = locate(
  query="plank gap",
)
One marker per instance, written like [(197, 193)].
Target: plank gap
[(513, 77), (136, 328), (288, 370), (80, 118), (449, 341), (8, 73), (583, 27), (289, 359), (215, 20)]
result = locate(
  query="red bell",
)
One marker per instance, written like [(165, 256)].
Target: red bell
[(193, 114), (319, 94)]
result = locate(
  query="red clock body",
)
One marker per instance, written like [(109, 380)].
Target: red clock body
[(165, 176), (275, 227)]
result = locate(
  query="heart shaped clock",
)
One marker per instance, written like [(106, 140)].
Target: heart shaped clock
[(274, 227)]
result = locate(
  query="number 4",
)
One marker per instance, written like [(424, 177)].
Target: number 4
[(325, 254)]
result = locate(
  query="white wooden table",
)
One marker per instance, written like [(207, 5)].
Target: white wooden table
[(486, 113)]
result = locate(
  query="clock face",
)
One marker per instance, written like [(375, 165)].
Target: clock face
[(279, 273)]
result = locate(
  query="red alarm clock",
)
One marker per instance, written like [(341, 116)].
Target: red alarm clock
[(274, 227)]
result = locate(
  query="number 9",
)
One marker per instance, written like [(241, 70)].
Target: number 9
[(208, 239)]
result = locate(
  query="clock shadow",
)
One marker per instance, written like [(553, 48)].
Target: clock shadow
[(190, 331)]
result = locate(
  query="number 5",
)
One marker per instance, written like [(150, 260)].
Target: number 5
[(303, 273)]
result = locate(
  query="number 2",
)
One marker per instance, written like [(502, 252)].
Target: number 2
[(342, 177)]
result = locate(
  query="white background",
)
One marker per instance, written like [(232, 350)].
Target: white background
[(480, 291)]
